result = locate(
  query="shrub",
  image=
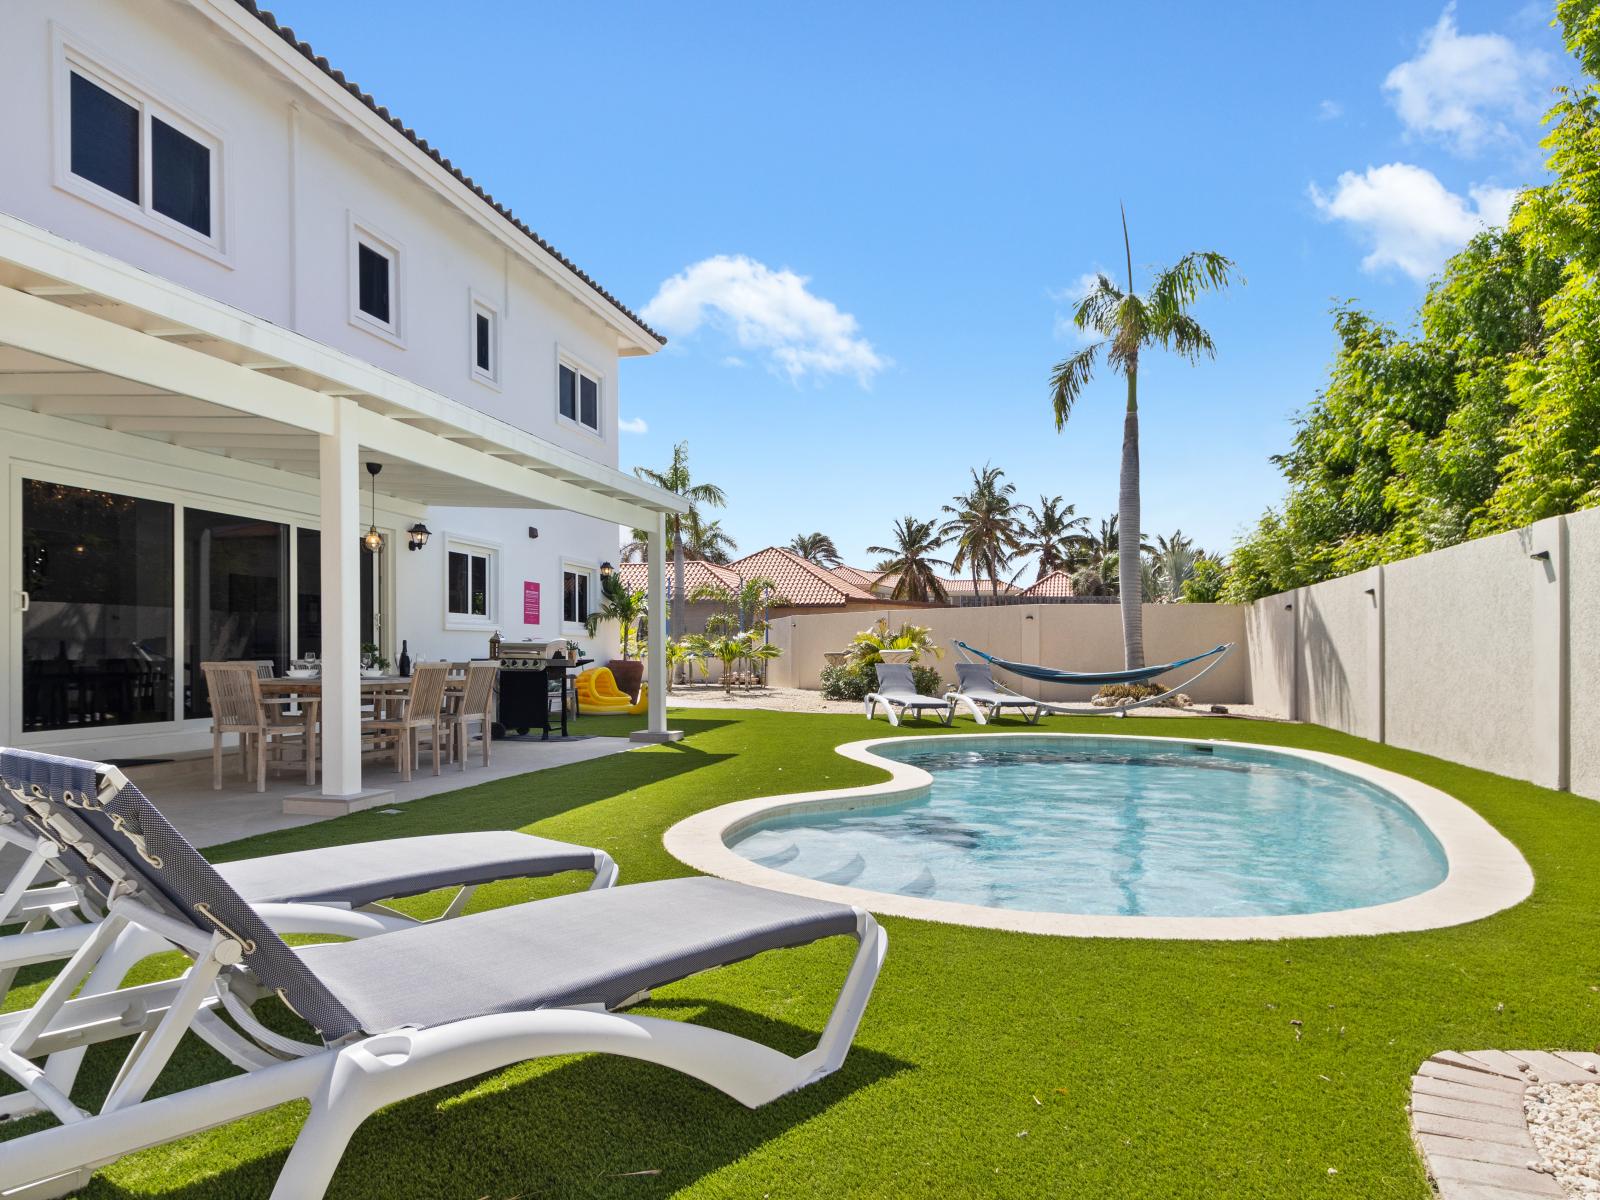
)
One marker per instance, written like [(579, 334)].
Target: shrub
[(853, 681)]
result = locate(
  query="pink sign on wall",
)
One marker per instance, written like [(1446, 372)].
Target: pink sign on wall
[(530, 603)]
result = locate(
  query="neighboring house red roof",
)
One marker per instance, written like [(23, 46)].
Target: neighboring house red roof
[(802, 584), (288, 35), (955, 587), (857, 578), (1057, 583), (696, 575)]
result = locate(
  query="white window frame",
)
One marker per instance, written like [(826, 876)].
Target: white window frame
[(570, 566), (580, 366), (490, 551), (69, 57), (361, 233), (478, 306)]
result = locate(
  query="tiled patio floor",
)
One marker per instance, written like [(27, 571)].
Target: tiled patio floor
[(182, 788)]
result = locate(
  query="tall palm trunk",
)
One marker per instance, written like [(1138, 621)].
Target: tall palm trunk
[(1129, 580)]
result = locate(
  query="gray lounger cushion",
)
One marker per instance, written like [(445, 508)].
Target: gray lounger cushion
[(368, 871), (584, 948), (976, 681)]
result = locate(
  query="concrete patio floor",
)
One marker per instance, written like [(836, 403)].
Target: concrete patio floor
[(182, 788)]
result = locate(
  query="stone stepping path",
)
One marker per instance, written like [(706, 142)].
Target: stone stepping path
[(1468, 1120)]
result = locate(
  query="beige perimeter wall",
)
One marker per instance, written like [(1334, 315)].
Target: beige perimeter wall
[(1487, 653), (1077, 637)]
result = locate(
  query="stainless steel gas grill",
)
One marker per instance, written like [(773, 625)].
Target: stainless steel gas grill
[(533, 676)]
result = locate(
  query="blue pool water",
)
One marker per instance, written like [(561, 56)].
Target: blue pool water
[(1113, 826)]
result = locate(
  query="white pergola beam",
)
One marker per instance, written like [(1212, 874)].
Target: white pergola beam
[(217, 426), (70, 384), (415, 445), (40, 327)]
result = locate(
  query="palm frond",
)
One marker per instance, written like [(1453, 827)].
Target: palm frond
[(1068, 379), (1198, 271), (1183, 335), (1098, 308)]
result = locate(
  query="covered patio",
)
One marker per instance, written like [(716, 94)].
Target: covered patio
[(122, 355)]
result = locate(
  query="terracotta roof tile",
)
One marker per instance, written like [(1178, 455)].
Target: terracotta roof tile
[(801, 583), (696, 574), (857, 578), (421, 143), (1057, 583)]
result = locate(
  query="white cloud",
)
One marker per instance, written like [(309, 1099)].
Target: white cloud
[(1459, 87), (771, 313), (633, 425), (1330, 110), (1410, 219)]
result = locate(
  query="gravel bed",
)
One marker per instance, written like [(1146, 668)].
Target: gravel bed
[(1564, 1120)]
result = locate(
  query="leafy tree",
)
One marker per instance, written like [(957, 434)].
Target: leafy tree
[(911, 558), (816, 548), (1053, 534), (1208, 582), (678, 480), (1128, 324), (1488, 416)]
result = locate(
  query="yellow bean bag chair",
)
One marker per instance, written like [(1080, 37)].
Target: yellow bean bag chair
[(599, 695)]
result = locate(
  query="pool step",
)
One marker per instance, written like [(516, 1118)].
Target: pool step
[(848, 873), (923, 885), (780, 858)]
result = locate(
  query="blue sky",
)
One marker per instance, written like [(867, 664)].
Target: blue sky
[(862, 223)]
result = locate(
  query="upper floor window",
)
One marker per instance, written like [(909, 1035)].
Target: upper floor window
[(483, 335), (374, 282), (579, 396), (469, 583), (133, 155)]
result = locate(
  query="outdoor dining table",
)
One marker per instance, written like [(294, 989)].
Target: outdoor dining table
[(374, 690)]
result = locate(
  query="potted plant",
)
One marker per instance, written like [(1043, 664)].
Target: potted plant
[(628, 610)]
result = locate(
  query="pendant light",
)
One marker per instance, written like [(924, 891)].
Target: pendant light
[(373, 540)]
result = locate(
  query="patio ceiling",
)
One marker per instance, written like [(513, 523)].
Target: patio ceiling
[(85, 338)]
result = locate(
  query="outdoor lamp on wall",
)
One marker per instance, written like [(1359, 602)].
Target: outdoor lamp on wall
[(606, 570), (417, 536), (373, 540)]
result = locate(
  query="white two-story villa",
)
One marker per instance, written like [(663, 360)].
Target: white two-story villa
[(231, 284)]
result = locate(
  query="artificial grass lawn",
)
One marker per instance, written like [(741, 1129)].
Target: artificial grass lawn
[(989, 1063)]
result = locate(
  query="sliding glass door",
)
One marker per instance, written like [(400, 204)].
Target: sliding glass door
[(97, 625), (236, 588), (308, 589)]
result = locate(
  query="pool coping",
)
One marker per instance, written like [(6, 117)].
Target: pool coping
[(1485, 872)]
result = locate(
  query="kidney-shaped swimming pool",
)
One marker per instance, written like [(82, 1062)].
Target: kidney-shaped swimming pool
[(1211, 838)]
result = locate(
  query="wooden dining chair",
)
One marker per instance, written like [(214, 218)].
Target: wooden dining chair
[(476, 708), (263, 723), (420, 710)]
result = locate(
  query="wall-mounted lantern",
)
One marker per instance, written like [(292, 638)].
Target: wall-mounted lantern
[(417, 536)]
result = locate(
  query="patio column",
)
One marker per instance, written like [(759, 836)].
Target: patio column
[(337, 455), (655, 671)]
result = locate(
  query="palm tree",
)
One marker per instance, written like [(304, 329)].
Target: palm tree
[(744, 608), (1127, 323), (1174, 559), (911, 558), (1053, 533), (707, 540), (985, 526), (815, 548), (676, 479), (626, 608)]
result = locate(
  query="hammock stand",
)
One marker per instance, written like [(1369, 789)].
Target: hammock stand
[(1091, 678)]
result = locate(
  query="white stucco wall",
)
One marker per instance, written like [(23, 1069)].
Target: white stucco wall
[(292, 181), (1271, 652)]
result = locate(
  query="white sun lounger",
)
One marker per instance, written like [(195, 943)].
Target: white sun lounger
[(976, 687), (897, 690), (395, 1016), (49, 893)]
